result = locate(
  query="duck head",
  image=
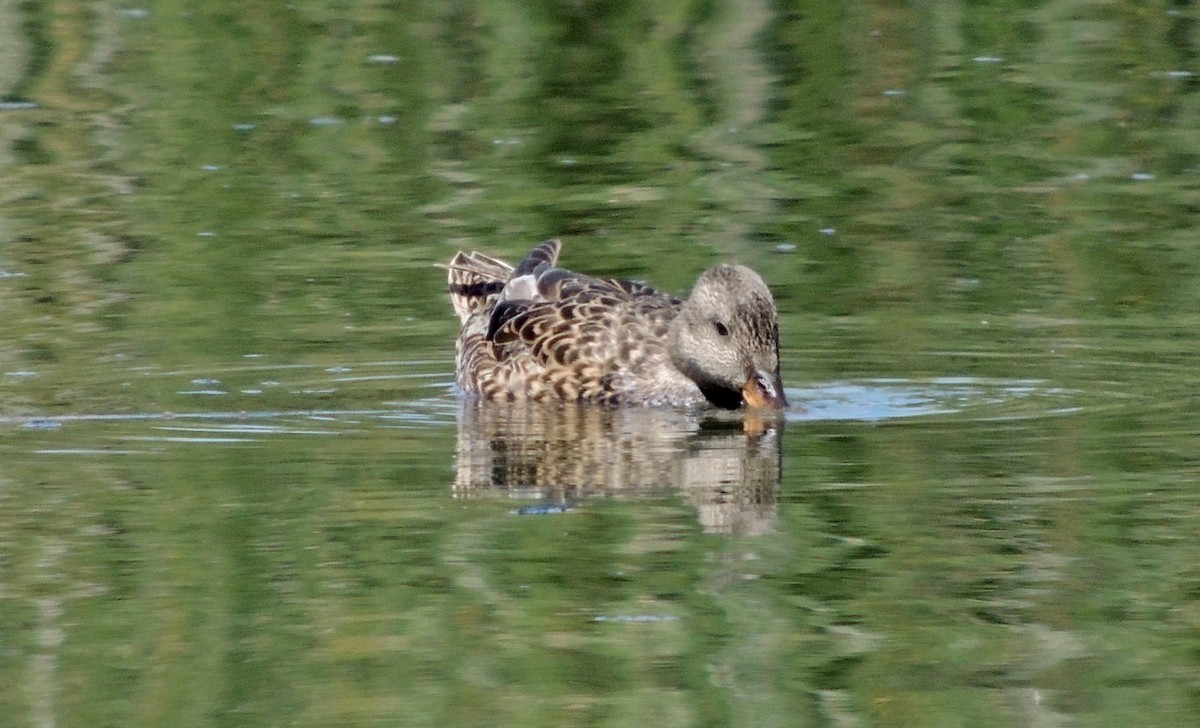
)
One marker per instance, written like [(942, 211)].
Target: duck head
[(726, 339)]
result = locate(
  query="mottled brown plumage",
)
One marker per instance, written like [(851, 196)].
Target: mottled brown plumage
[(538, 332)]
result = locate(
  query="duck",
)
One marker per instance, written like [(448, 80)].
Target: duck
[(541, 333)]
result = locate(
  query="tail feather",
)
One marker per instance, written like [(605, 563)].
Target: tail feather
[(477, 280), (475, 283)]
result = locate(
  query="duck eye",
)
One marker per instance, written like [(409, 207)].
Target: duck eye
[(722, 330)]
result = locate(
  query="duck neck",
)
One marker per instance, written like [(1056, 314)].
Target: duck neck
[(676, 347)]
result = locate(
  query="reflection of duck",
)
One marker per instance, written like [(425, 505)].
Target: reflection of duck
[(542, 333), (559, 454)]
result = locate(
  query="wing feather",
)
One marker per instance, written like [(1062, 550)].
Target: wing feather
[(535, 331)]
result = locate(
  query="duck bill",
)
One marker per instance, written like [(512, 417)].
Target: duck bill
[(764, 391)]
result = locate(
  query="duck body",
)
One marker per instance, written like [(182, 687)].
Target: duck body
[(543, 333)]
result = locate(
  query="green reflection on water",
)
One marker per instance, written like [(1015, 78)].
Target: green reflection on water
[(237, 207)]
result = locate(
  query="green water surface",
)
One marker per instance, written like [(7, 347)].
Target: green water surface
[(237, 487)]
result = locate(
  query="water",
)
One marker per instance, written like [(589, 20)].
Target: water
[(236, 486)]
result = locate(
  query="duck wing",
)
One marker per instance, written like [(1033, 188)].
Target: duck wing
[(587, 324), (537, 331)]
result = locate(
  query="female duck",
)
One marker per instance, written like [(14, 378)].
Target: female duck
[(538, 332)]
